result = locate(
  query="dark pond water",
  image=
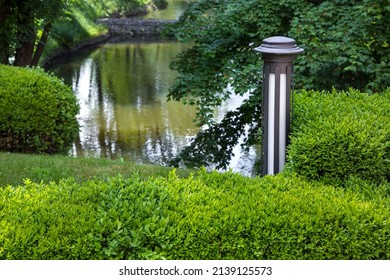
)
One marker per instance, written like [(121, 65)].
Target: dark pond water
[(122, 89)]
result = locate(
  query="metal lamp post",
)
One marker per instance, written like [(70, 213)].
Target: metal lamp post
[(278, 54)]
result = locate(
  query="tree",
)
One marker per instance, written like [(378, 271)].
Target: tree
[(24, 28), (346, 44), (25, 25)]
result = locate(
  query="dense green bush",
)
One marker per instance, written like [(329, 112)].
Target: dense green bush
[(232, 217), (208, 216), (37, 111), (337, 135), (119, 219)]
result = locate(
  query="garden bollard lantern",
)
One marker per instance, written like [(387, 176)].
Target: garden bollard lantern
[(278, 54)]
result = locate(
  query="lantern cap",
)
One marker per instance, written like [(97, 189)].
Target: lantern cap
[(279, 45)]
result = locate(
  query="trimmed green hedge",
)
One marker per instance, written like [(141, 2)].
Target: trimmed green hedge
[(210, 216), (37, 112), (339, 135)]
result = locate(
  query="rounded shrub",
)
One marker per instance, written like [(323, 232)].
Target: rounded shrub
[(337, 135), (37, 112)]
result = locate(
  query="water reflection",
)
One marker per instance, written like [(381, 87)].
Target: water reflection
[(243, 161), (122, 90), (173, 11)]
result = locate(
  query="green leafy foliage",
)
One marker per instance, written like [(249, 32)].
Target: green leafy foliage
[(117, 219), (132, 8), (24, 28), (207, 216), (341, 134), (77, 26), (37, 112), (346, 45), (232, 217)]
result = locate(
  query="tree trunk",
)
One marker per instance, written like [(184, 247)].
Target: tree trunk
[(41, 45), (5, 11), (26, 42), (23, 54)]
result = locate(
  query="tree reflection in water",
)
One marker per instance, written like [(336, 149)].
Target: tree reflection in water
[(122, 89)]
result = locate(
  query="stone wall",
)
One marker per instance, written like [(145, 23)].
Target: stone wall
[(67, 51), (135, 27)]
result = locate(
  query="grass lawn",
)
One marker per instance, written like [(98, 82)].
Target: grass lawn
[(14, 168)]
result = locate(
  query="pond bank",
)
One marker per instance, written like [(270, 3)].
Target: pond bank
[(90, 43), (117, 27)]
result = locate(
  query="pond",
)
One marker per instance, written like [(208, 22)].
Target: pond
[(173, 11), (122, 88)]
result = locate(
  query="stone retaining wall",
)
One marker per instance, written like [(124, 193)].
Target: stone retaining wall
[(66, 51), (134, 27)]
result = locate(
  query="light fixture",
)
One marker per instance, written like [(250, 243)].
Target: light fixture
[(278, 54)]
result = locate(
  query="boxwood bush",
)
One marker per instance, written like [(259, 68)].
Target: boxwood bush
[(338, 135), (207, 216), (37, 112)]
